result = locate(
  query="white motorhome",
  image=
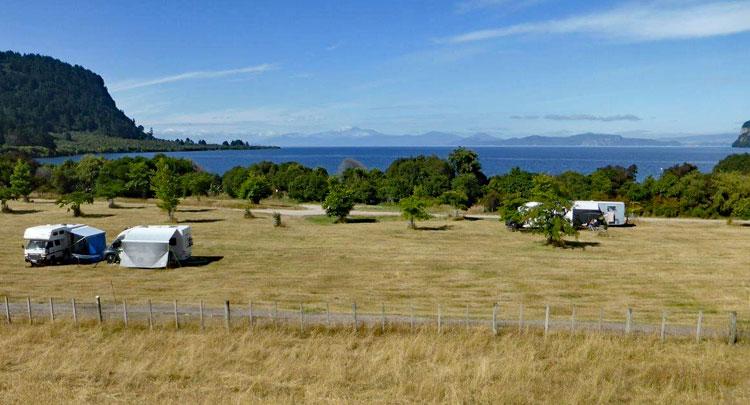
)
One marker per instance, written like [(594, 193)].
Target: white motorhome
[(153, 246), (583, 211), (48, 244)]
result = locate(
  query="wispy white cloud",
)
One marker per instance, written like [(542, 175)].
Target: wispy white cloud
[(640, 21), (206, 74), (580, 117)]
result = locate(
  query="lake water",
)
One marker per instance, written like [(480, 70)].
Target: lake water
[(495, 160)]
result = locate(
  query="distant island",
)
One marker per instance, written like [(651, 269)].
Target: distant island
[(744, 140), (50, 108)]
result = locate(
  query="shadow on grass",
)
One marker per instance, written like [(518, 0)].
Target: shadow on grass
[(197, 210), (579, 245), (122, 207), (361, 221), (96, 215), (23, 212), (197, 261), (200, 221), (433, 228)]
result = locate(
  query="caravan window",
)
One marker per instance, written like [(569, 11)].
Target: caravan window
[(49, 244), (57, 242)]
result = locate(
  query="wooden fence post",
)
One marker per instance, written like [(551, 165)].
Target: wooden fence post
[(7, 310), (275, 312), (227, 315), (250, 314), (150, 316), (75, 311), (573, 320), (494, 319), (439, 319), (382, 318), (663, 331), (99, 310), (466, 318), (28, 310), (51, 310), (200, 309), (520, 319), (732, 327), (699, 327), (628, 320), (354, 314), (411, 319), (301, 319), (125, 311), (176, 317), (546, 320)]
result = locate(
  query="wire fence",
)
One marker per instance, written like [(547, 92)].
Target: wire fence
[(494, 318)]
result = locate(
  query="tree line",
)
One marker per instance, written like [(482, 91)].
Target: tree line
[(458, 181)]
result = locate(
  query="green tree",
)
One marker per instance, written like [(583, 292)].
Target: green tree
[(414, 209), (74, 200), (233, 179), (21, 180), (466, 161), (338, 203), (255, 188), (548, 219), (5, 195), (456, 199), (139, 179), (165, 187)]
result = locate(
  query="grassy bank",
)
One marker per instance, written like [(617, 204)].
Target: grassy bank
[(94, 365)]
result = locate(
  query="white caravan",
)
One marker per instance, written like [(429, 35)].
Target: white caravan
[(48, 244), (583, 211), (154, 246)]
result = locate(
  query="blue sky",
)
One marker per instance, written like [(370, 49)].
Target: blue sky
[(508, 68)]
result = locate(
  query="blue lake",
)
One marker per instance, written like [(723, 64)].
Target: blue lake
[(495, 160)]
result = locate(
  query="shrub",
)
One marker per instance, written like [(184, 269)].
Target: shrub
[(338, 203), (255, 188), (413, 209)]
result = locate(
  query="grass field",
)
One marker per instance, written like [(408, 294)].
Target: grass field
[(679, 266), (54, 364)]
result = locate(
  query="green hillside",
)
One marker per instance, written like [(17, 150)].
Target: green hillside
[(40, 96)]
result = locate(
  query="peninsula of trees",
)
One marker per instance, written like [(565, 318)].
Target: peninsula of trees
[(49, 107)]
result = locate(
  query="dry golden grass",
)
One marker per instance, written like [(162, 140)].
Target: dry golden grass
[(58, 364), (680, 266)]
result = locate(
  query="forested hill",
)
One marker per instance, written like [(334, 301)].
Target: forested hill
[(40, 95)]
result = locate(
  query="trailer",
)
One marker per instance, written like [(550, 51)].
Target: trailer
[(612, 212), (152, 246), (60, 243)]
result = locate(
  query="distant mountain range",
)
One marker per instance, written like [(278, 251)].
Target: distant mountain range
[(359, 137)]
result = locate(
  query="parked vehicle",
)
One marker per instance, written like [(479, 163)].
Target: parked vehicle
[(151, 246), (52, 244), (583, 212)]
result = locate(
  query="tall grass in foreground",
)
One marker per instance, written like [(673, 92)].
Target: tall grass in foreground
[(58, 363)]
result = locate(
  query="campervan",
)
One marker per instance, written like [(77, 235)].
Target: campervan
[(151, 246), (50, 244), (582, 212)]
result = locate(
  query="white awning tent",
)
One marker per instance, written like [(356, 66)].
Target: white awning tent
[(148, 247)]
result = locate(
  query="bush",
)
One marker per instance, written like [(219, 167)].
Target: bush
[(338, 203), (414, 209), (255, 188)]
